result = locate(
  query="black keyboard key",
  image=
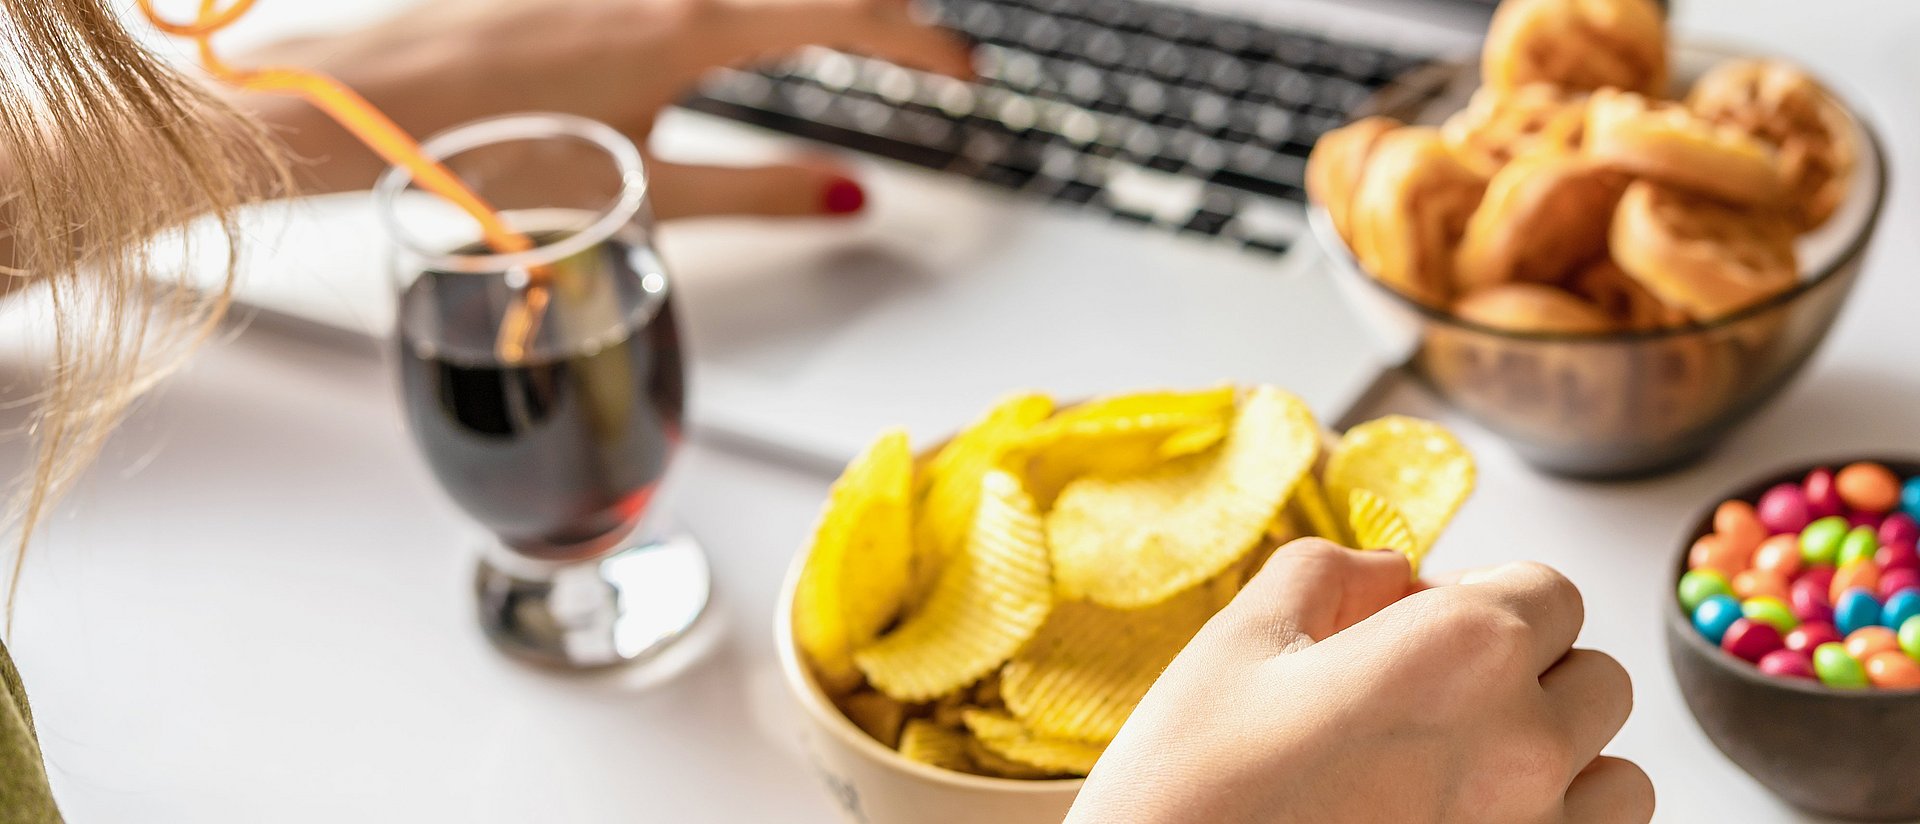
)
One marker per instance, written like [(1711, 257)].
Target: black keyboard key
[(1257, 185), (1075, 191), (1271, 248), (1208, 223)]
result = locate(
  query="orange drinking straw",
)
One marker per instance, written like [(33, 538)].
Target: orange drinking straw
[(384, 137)]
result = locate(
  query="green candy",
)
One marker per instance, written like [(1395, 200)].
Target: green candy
[(1772, 611), (1860, 542), (1836, 668), (1910, 637), (1820, 541), (1699, 585)]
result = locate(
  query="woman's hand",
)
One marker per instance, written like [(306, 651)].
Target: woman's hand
[(618, 61), (1326, 692)]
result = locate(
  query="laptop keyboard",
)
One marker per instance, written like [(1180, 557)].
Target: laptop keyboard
[(1160, 115)]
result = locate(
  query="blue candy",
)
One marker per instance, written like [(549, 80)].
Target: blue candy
[(1900, 606), (1857, 608), (1910, 497), (1715, 615)]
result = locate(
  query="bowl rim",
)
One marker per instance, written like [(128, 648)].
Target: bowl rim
[(1320, 223), (1701, 524), (799, 680)]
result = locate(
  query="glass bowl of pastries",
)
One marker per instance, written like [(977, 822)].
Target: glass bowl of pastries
[(1606, 248)]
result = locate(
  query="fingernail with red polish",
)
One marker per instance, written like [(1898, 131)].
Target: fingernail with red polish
[(844, 197)]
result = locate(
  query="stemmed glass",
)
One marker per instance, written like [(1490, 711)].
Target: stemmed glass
[(545, 387)]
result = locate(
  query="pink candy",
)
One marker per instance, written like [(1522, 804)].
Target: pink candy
[(1810, 635), (1823, 498), (1784, 509), (1893, 557), (1787, 663), (1901, 530), (1809, 597), (1861, 517)]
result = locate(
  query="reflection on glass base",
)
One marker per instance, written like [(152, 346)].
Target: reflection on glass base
[(622, 607)]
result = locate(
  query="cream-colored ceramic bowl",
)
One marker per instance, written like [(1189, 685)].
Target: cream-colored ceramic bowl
[(875, 785)]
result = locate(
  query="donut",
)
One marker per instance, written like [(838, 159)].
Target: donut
[(1701, 256), (1499, 125), (1605, 285), (1543, 215), (1668, 143), (1784, 106), (1409, 212), (1532, 307), (1580, 45), (1337, 162)]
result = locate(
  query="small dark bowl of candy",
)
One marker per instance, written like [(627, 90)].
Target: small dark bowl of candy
[(1793, 627)]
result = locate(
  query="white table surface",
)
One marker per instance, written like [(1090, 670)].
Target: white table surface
[(255, 608)]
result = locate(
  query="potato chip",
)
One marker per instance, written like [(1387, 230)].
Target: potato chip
[(1120, 435), (1417, 466), (859, 570), (1083, 674), (1310, 507), (992, 596), (1137, 540), (1377, 524), (948, 491), (929, 743), (1005, 736), (988, 762), (876, 715)]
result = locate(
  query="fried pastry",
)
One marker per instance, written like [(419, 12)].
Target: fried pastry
[(1603, 284), (1409, 212), (1532, 307), (1543, 215), (1699, 255), (1789, 110), (1577, 44), (1338, 160), (1499, 125), (1668, 143)]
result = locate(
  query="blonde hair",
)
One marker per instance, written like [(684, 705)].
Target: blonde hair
[(109, 148)]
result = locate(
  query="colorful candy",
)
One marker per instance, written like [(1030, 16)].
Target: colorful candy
[(1809, 635), (1856, 608), (1836, 668), (1820, 541), (1699, 585), (1815, 580), (1787, 663), (1715, 615), (1770, 611), (1784, 509), (1893, 670), (1868, 486)]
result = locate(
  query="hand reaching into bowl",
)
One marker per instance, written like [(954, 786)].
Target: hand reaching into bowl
[(1327, 691), (618, 61)]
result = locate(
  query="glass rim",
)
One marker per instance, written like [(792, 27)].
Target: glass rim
[(525, 126), (1320, 223)]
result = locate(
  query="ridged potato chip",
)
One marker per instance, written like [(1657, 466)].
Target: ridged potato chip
[(1120, 435), (1005, 736), (992, 596), (876, 715), (1418, 466), (929, 743), (988, 762), (1309, 507), (949, 487), (1083, 674), (1378, 525), (858, 572), (1136, 540)]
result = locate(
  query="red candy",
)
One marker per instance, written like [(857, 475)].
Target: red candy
[(1899, 529), (1751, 640), (1806, 637), (1787, 663), (1822, 498), (1860, 517), (1809, 597), (1891, 557), (1783, 509), (1895, 580)]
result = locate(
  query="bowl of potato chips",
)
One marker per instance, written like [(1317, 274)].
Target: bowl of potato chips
[(971, 625), (1604, 248)]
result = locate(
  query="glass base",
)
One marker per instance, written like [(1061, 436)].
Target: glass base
[(622, 607)]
